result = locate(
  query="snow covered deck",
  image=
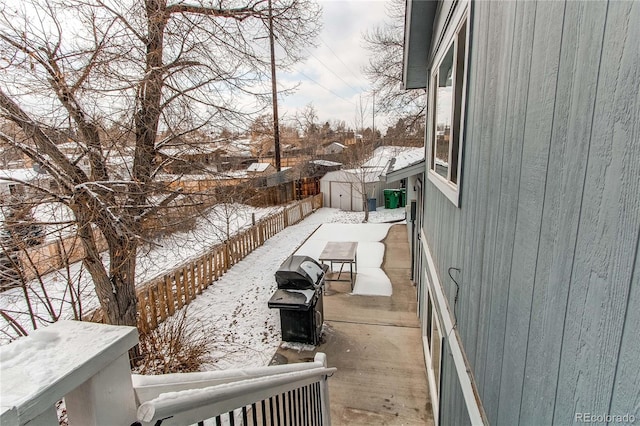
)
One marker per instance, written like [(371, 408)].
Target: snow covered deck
[(83, 362)]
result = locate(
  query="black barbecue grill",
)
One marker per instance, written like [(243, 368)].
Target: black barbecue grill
[(299, 295)]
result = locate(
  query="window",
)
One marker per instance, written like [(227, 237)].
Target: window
[(447, 89)]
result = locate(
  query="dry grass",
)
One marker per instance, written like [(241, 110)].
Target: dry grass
[(173, 347)]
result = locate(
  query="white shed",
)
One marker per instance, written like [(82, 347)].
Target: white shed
[(342, 189)]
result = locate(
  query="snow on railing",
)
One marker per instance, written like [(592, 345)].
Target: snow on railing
[(287, 394), (87, 364)]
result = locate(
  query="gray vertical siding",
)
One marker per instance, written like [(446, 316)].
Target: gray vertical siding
[(608, 226), (580, 55), (536, 143), (548, 229)]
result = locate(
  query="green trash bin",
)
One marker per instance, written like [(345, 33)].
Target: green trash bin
[(390, 199), (403, 197)]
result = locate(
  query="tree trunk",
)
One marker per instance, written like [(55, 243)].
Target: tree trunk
[(116, 289), (365, 200)]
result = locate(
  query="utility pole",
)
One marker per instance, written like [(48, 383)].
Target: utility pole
[(274, 92), (373, 119)]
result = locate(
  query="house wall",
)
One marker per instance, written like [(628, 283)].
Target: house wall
[(547, 233)]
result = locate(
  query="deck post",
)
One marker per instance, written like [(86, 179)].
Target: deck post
[(85, 363), (325, 406)]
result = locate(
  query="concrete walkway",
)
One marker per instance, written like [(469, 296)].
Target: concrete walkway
[(375, 343)]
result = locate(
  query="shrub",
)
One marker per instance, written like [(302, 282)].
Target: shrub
[(174, 347)]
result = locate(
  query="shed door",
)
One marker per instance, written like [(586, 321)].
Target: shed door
[(341, 195)]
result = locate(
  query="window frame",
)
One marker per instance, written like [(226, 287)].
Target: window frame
[(450, 40)]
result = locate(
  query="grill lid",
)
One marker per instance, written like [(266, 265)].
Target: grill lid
[(297, 300), (299, 272)]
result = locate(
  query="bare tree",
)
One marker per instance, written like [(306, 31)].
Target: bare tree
[(73, 69), (359, 153), (385, 43), (30, 298), (307, 121)]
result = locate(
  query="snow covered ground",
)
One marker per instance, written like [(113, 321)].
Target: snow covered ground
[(160, 256), (234, 311)]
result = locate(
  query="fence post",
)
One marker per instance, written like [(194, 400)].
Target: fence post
[(168, 287), (162, 299), (227, 259), (143, 323), (176, 276), (153, 312)]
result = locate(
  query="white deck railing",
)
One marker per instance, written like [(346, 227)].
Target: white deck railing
[(87, 364), (295, 391)]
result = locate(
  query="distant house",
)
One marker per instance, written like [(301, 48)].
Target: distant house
[(188, 158), (15, 182), (334, 148), (261, 168), (527, 268), (357, 138)]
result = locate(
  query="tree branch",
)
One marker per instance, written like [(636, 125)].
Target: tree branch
[(239, 14)]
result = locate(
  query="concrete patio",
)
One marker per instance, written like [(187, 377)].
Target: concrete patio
[(375, 343)]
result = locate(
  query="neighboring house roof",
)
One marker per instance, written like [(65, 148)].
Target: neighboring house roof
[(381, 155), (24, 175), (176, 151), (237, 147), (259, 167), (325, 163), (408, 158), (405, 164), (71, 146)]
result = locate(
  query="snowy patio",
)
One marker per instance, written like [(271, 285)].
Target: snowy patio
[(374, 341)]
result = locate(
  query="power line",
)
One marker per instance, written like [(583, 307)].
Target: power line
[(348, 68), (332, 71), (328, 90)]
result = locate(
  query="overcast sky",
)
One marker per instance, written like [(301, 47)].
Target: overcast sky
[(332, 78)]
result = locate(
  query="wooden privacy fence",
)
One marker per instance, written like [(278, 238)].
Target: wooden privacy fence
[(163, 296), (54, 255)]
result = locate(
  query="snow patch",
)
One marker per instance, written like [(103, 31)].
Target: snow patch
[(298, 347), (371, 280)]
